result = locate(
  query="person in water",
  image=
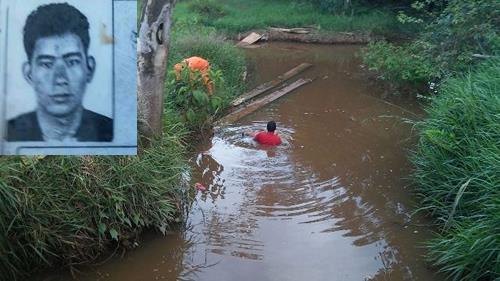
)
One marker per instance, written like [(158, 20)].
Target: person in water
[(269, 137)]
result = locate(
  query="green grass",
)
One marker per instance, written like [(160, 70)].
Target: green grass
[(458, 174), (401, 65), (68, 210), (243, 15)]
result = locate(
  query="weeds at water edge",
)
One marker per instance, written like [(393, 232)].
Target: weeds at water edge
[(457, 168)]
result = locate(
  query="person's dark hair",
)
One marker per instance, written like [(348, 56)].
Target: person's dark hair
[(271, 126), (55, 19)]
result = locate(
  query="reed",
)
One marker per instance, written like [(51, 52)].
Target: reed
[(457, 168)]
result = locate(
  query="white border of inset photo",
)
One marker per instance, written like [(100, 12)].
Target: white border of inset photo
[(111, 93)]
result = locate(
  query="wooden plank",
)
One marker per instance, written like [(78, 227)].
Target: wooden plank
[(250, 39), (238, 114), (297, 30), (271, 84)]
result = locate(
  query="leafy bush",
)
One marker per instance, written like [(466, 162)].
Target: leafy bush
[(454, 41), (463, 29), (68, 210), (189, 95), (458, 174), (399, 64)]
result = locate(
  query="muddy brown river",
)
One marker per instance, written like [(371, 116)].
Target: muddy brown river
[(331, 203)]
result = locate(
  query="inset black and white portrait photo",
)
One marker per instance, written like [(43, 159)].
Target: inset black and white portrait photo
[(59, 78)]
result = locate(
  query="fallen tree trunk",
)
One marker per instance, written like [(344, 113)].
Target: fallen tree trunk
[(298, 30), (316, 37), (152, 52)]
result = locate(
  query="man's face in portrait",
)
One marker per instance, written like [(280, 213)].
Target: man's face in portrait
[(59, 71)]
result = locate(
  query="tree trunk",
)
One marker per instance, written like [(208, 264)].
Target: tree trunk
[(152, 52)]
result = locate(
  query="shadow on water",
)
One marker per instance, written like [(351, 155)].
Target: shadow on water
[(331, 203)]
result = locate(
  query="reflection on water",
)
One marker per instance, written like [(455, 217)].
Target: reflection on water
[(328, 204), (297, 222)]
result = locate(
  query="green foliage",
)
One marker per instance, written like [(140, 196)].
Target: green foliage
[(221, 54), (357, 6), (453, 41), (333, 6), (186, 22), (68, 210), (470, 251), (189, 95), (458, 174), (422, 11), (463, 29), (399, 64), (208, 9)]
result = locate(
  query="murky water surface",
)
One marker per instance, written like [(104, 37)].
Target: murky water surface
[(329, 204)]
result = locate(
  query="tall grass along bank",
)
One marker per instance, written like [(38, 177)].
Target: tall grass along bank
[(458, 174), (69, 210)]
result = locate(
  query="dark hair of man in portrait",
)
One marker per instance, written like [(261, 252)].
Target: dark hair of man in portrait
[(56, 40), (55, 19)]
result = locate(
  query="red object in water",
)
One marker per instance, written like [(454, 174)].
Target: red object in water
[(267, 138), (200, 186)]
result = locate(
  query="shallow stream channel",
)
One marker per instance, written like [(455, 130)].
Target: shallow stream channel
[(333, 202)]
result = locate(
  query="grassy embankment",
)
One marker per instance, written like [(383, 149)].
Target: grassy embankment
[(457, 159), (458, 174), (234, 16)]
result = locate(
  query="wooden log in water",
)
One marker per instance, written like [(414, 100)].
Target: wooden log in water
[(271, 84), (238, 114), (298, 30)]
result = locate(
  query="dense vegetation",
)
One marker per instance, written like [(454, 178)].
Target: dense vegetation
[(68, 210), (457, 174), (455, 37)]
